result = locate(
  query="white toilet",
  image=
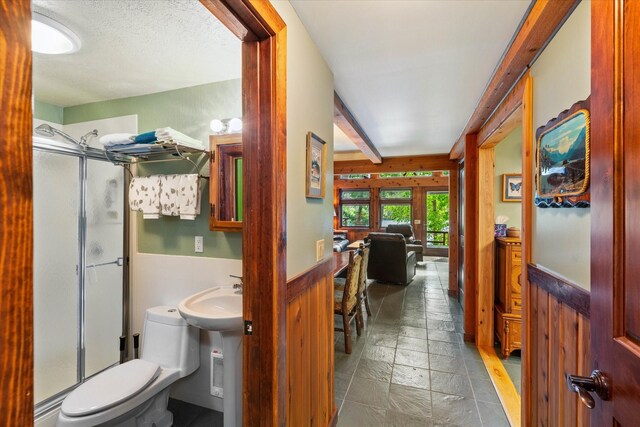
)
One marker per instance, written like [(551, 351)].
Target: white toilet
[(136, 393)]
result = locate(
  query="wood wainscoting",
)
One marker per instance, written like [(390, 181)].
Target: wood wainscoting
[(310, 400), (558, 319)]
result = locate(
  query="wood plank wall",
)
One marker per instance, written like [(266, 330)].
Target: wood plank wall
[(560, 340), (310, 395)]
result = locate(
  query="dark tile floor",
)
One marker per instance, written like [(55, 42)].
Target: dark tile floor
[(189, 415), (410, 367)]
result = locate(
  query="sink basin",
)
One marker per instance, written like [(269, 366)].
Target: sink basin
[(216, 309)]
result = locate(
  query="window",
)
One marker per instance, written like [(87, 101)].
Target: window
[(395, 206), (354, 208)]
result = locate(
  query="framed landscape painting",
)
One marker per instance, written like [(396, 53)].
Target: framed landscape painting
[(562, 163), (316, 166)]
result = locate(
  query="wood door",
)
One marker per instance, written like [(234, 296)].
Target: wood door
[(615, 230), (461, 235)]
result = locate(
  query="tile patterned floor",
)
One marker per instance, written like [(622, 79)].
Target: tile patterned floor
[(410, 367)]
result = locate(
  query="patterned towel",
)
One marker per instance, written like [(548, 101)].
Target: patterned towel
[(189, 196), (144, 196), (169, 201)]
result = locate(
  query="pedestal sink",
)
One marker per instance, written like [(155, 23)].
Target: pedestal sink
[(220, 309)]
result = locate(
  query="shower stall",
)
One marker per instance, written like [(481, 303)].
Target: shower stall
[(80, 266)]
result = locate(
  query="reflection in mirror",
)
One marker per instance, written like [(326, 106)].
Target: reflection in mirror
[(226, 182)]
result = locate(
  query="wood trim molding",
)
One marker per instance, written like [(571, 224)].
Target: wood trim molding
[(454, 240), (428, 181), (564, 291), (264, 139), (343, 118), (299, 284), (507, 393), (507, 117), (542, 22), (396, 164), (470, 234), (16, 214)]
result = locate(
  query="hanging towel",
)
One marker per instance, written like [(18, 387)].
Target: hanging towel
[(144, 196), (169, 134), (114, 139), (189, 196), (146, 138), (169, 200)]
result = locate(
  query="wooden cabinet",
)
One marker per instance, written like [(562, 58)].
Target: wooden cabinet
[(508, 311)]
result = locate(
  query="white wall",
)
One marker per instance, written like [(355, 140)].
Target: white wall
[(508, 159), (309, 108), (561, 77)]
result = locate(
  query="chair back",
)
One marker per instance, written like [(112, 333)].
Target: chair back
[(349, 296), (405, 229), (365, 248)]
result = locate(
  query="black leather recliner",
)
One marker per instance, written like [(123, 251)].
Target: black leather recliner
[(407, 231), (389, 260)]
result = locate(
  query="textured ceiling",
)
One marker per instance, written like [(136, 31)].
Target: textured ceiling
[(412, 72), (133, 48)]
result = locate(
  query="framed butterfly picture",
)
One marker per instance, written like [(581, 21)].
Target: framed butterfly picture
[(512, 187)]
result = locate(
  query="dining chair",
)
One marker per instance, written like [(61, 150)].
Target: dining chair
[(346, 300)]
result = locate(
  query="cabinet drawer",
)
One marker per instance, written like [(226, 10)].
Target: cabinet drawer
[(516, 254), (515, 333), (516, 304)]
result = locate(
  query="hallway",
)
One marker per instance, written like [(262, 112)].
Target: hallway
[(410, 367)]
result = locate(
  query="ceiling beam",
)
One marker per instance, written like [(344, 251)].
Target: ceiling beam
[(402, 182), (544, 19), (343, 118), (434, 162)]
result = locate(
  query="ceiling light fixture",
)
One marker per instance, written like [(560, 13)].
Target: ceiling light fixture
[(233, 125), (51, 37)]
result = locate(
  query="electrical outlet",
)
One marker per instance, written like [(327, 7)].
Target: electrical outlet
[(319, 250), (199, 244)]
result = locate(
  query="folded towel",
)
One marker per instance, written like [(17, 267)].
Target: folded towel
[(144, 196), (146, 138), (169, 134), (169, 201), (189, 196), (114, 139)]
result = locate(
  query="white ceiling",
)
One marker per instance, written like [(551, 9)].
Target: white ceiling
[(412, 72), (133, 48)]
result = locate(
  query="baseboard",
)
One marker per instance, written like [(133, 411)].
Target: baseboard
[(469, 337)]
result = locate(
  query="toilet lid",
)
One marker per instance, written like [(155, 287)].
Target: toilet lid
[(110, 388)]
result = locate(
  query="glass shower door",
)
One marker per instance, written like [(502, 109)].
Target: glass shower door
[(56, 204), (104, 263)]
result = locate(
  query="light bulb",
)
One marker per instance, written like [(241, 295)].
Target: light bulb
[(235, 125), (216, 125)]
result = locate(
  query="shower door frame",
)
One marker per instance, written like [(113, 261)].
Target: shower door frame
[(83, 156)]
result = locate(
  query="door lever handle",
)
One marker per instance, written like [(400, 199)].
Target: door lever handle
[(597, 383)]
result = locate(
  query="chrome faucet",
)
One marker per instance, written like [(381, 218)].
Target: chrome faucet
[(237, 286)]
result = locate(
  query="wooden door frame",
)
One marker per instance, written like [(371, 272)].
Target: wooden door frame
[(16, 214), (263, 33), (515, 110)]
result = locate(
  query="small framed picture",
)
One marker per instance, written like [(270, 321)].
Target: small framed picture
[(316, 166), (511, 187)]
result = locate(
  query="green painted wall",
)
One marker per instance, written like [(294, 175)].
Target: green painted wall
[(187, 110), (49, 112), (508, 159)]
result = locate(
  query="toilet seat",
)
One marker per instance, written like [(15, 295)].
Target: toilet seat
[(110, 388)]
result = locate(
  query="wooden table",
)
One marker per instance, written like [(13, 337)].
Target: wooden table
[(340, 262), (355, 245)]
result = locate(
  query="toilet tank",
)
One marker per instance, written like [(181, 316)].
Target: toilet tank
[(168, 340)]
